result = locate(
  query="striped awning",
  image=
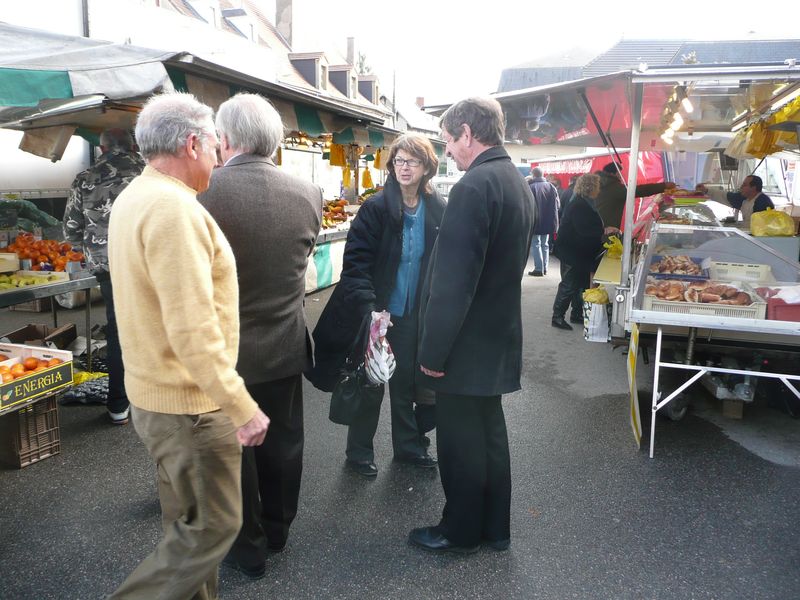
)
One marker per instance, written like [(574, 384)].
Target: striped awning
[(364, 137)]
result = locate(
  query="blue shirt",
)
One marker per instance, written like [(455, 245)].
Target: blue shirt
[(403, 296)]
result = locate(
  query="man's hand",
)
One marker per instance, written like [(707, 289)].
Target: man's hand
[(253, 432), (430, 373), (611, 230)]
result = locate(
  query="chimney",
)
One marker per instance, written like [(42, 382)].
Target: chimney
[(283, 19), (351, 51), (420, 102)]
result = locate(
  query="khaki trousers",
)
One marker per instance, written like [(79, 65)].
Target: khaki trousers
[(199, 485)]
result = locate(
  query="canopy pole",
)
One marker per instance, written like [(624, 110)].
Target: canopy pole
[(633, 172)]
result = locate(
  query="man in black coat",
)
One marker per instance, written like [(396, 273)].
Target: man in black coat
[(471, 329)]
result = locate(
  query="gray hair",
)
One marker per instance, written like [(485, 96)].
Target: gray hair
[(116, 139), (588, 185), (251, 124), (536, 172), (167, 120), (484, 117)]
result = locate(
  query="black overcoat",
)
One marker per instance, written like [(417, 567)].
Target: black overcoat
[(369, 270), (470, 313)]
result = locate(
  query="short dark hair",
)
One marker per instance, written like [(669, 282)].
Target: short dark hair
[(755, 181), (612, 168), (117, 139), (484, 117)]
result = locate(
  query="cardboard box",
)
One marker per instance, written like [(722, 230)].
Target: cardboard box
[(18, 392), (38, 305), (41, 335)]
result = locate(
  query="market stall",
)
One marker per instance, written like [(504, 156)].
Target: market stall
[(705, 312)]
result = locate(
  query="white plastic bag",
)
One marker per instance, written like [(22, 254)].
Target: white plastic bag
[(595, 322), (379, 360)]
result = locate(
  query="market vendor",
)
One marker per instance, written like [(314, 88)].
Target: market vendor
[(748, 200), (610, 203)]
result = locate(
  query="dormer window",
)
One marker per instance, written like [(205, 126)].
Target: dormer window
[(312, 66)]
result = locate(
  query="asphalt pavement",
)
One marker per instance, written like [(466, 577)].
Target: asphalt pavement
[(714, 515)]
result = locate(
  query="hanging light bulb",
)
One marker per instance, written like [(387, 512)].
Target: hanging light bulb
[(677, 121), (668, 132), (667, 139), (684, 98)]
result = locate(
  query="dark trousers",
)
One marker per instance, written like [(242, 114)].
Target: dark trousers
[(117, 398), (271, 472), (570, 291), (406, 440), (475, 468)]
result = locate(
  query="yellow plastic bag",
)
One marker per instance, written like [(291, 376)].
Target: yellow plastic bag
[(596, 295), (347, 177), (614, 247), (337, 156), (366, 179), (379, 160), (771, 223)]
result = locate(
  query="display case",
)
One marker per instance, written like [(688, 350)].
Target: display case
[(694, 214), (716, 278)]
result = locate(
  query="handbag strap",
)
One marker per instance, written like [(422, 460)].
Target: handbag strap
[(355, 355)]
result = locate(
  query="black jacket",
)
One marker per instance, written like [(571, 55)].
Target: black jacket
[(369, 270), (580, 236), (470, 317)]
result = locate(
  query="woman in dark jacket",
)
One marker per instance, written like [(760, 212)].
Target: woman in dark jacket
[(578, 247), (386, 255)]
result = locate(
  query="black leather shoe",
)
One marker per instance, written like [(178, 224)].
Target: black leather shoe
[(430, 539), (536, 273), (560, 323), (576, 320), (425, 461), (365, 468), (499, 545), (249, 572)]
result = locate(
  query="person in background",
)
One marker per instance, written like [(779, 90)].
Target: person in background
[(578, 247), (566, 196), (750, 198), (545, 196), (272, 220), (86, 226), (470, 350), (556, 183), (387, 252), (177, 304), (610, 202)]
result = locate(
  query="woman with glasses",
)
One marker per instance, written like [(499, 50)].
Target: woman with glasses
[(385, 259)]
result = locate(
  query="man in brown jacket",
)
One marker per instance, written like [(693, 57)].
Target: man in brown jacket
[(271, 220)]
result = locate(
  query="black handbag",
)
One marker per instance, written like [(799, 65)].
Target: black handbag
[(349, 392)]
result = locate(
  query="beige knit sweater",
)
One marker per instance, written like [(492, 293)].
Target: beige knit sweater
[(176, 300)]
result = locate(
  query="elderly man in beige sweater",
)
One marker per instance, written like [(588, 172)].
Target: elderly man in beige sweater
[(176, 298)]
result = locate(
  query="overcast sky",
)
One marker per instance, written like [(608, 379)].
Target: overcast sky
[(442, 50)]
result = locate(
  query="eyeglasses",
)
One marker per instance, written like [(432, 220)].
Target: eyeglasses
[(411, 162)]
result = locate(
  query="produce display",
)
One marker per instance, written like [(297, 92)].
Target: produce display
[(45, 255), (27, 366), (20, 280), (704, 292), (333, 213)]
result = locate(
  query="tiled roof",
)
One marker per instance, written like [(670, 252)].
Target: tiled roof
[(629, 54), (740, 51)]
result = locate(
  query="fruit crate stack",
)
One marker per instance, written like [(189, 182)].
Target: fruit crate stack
[(30, 434)]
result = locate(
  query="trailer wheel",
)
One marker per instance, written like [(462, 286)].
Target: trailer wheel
[(677, 408)]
